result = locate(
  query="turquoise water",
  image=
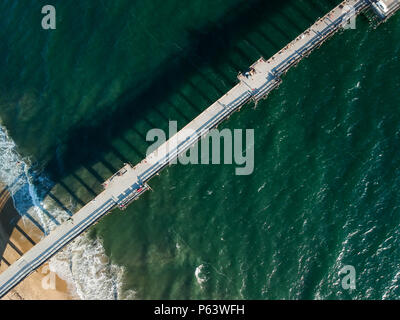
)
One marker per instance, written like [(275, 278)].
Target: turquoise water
[(78, 102)]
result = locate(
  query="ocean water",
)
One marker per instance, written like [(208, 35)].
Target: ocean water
[(77, 102)]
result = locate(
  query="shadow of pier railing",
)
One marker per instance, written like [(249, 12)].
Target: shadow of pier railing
[(9, 224), (27, 237), (87, 187), (59, 203), (71, 193), (130, 145), (272, 42), (179, 112), (292, 23), (299, 9), (5, 261)]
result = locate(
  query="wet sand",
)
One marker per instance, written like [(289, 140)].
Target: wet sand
[(16, 237)]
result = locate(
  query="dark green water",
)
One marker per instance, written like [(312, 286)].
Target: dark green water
[(78, 101)]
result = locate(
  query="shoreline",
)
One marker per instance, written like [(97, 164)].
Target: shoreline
[(16, 237)]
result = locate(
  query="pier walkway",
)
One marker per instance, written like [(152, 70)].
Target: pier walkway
[(130, 182)]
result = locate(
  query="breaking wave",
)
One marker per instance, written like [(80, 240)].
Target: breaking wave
[(199, 274), (83, 263)]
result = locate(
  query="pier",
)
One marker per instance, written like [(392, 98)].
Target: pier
[(130, 182), (385, 8)]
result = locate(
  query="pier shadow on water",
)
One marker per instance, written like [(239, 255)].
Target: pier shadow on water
[(181, 89), (172, 95), (208, 48)]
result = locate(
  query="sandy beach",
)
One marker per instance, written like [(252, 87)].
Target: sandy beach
[(16, 237)]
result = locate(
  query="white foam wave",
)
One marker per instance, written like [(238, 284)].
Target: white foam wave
[(82, 263), (199, 274), (14, 174), (85, 264), (11, 169)]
